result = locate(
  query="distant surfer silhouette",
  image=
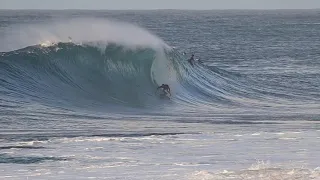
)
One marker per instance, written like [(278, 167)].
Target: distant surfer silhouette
[(191, 60)]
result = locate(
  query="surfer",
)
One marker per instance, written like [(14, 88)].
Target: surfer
[(191, 60), (165, 89)]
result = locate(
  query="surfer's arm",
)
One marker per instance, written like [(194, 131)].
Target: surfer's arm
[(158, 88)]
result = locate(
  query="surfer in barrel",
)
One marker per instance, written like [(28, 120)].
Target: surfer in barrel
[(165, 89)]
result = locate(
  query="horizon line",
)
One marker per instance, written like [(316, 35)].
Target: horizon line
[(164, 9)]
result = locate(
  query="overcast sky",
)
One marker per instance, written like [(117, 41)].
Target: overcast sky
[(159, 4)]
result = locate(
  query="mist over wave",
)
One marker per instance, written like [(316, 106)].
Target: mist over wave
[(93, 30)]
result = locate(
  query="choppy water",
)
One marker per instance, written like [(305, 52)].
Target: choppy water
[(78, 101)]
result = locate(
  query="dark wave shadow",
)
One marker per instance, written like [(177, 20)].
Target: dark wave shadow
[(7, 159), (22, 147)]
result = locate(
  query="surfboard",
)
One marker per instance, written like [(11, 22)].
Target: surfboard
[(164, 96)]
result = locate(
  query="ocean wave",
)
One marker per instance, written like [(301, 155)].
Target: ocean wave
[(83, 72), (85, 75), (119, 64)]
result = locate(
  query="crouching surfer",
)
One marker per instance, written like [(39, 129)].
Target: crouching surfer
[(192, 61), (165, 89)]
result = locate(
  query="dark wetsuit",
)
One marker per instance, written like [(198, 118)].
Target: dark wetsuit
[(191, 60), (165, 88)]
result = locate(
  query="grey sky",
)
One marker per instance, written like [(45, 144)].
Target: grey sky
[(159, 4)]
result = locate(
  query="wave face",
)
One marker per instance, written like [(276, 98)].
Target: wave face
[(84, 74), (87, 76), (107, 68)]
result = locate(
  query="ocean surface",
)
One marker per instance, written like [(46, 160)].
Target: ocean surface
[(78, 95)]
